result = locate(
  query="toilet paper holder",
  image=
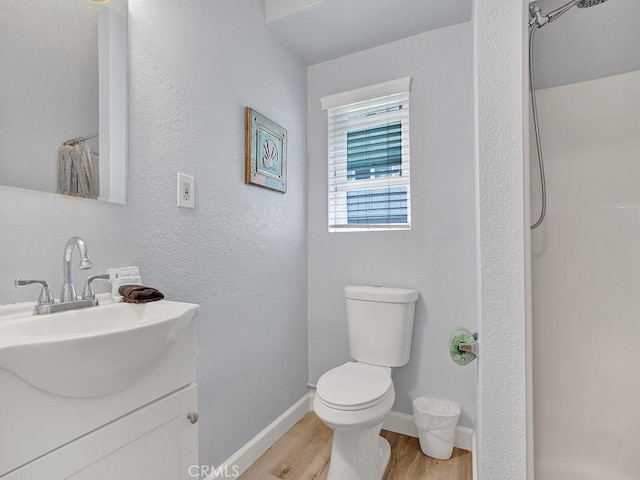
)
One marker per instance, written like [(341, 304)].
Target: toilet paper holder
[(471, 347)]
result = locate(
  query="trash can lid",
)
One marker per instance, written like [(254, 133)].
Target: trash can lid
[(436, 406), (380, 294)]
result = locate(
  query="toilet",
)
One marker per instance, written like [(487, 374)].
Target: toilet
[(353, 399)]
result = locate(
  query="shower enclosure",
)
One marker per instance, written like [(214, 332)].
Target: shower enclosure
[(586, 256)]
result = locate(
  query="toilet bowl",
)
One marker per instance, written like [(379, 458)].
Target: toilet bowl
[(353, 399)]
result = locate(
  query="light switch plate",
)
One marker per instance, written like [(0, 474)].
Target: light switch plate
[(186, 191)]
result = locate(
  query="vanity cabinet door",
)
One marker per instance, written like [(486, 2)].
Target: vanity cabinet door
[(20, 474), (157, 441)]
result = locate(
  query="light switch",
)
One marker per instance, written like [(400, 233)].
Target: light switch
[(186, 191)]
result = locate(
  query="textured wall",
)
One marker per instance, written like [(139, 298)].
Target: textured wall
[(501, 109), (34, 228), (437, 257), (241, 253), (586, 278)]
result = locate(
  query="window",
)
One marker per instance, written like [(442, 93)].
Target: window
[(369, 183)]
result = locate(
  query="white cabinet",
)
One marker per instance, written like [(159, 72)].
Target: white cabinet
[(34, 423), (156, 441), (21, 474), (135, 431)]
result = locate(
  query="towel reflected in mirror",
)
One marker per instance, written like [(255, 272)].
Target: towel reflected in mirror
[(76, 171)]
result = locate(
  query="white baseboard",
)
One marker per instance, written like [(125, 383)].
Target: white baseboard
[(243, 458), (398, 422)]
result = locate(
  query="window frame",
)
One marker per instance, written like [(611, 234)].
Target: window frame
[(338, 184)]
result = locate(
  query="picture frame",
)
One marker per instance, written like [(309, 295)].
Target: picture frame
[(266, 152)]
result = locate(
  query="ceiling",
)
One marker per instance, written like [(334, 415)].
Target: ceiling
[(584, 44), (589, 43), (321, 30)]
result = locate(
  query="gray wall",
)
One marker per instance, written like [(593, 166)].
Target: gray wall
[(437, 257), (241, 254), (34, 228)]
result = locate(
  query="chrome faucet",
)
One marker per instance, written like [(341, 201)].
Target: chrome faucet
[(87, 292), (68, 293), (45, 297), (69, 300)]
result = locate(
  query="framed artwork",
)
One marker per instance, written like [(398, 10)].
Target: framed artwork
[(266, 152)]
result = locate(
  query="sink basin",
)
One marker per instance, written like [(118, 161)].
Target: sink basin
[(93, 351)]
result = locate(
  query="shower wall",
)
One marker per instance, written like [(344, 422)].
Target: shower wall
[(586, 282)]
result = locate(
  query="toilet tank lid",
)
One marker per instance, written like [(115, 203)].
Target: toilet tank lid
[(380, 294)]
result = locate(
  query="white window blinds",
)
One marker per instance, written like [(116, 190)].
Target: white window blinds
[(369, 174)]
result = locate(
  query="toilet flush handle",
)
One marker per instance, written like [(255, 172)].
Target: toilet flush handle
[(472, 347)]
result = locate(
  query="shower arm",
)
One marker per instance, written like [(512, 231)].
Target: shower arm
[(535, 11)]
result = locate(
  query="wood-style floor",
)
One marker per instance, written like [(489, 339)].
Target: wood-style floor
[(303, 454)]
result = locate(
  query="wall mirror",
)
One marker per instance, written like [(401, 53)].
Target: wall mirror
[(63, 97)]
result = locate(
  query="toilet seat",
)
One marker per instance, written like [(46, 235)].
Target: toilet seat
[(354, 386)]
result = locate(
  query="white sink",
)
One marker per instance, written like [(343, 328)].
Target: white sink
[(93, 351)]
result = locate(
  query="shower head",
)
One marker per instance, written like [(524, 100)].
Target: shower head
[(589, 3), (539, 20)]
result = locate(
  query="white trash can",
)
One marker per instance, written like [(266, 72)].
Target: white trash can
[(436, 420)]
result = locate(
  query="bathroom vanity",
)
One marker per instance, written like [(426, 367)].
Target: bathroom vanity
[(101, 393)]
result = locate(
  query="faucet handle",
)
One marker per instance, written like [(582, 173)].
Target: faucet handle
[(87, 291), (45, 297)]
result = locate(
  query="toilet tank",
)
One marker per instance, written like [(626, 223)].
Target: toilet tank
[(380, 321)]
